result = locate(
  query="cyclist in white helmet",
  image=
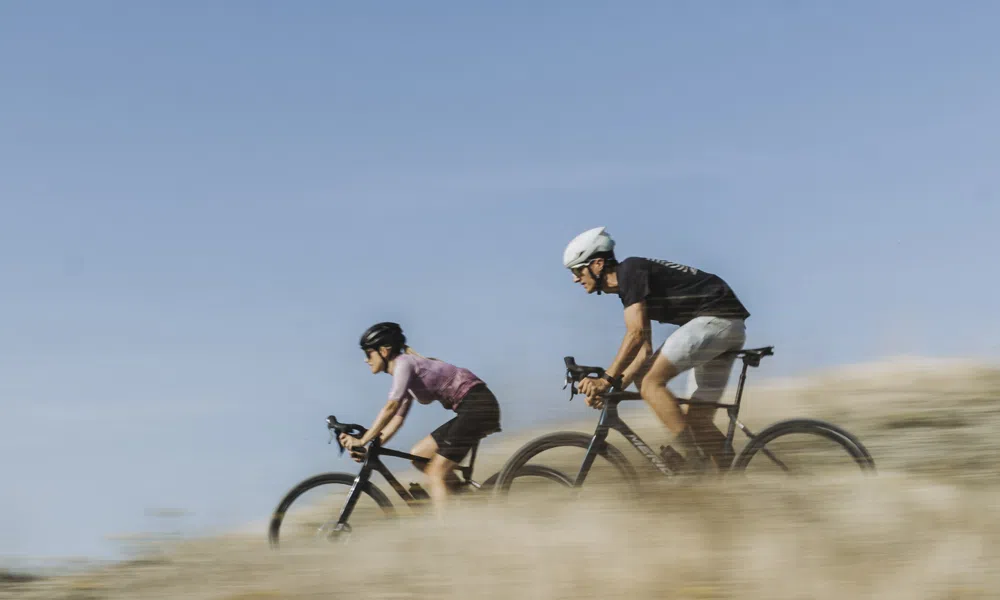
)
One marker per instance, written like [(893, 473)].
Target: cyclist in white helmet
[(710, 319)]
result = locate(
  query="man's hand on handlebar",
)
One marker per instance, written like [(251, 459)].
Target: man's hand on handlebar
[(593, 387)]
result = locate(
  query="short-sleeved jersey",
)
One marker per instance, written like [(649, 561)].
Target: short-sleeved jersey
[(676, 293), (426, 380)]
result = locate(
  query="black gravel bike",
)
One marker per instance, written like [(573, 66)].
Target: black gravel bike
[(668, 461), (359, 485)]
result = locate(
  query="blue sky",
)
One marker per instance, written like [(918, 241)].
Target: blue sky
[(204, 204)]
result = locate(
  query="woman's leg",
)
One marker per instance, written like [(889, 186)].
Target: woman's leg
[(478, 416), (428, 448), (437, 472)]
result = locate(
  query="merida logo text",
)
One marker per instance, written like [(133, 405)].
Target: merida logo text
[(677, 266)]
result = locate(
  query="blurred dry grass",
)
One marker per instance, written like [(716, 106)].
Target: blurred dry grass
[(926, 528)]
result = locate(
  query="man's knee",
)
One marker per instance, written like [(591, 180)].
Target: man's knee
[(701, 417), (659, 373)]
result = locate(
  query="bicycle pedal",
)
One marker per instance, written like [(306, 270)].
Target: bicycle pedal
[(418, 492), (673, 459)]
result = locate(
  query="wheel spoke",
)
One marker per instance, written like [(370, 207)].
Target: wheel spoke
[(802, 438), (776, 460), (372, 503)]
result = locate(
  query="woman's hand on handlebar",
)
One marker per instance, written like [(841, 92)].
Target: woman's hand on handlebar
[(354, 446), (349, 441)]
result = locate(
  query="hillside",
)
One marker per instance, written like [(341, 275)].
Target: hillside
[(926, 527)]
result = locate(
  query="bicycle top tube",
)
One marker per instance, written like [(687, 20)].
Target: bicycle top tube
[(616, 397), (574, 373), (750, 356)]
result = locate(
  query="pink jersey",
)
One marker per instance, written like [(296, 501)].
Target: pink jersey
[(428, 380)]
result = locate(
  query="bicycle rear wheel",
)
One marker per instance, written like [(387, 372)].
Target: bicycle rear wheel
[(539, 471), (801, 446), (321, 520)]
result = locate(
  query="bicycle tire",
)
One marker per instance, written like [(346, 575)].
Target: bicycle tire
[(531, 471), (832, 432), (370, 489), (561, 439)]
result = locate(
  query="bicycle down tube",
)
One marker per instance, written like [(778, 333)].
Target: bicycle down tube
[(373, 463), (610, 419)]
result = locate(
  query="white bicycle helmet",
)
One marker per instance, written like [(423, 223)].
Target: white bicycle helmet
[(591, 244)]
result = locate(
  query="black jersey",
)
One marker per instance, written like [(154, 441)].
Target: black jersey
[(676, 293)]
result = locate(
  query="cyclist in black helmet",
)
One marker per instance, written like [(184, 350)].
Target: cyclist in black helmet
[(415, 377)]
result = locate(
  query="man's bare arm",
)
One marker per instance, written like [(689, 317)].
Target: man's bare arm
[(636, 345)]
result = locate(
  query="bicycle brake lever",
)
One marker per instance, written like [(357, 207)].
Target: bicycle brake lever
[(572, 388), (334, 436)]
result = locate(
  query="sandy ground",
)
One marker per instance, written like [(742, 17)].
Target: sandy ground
[(926, 527)]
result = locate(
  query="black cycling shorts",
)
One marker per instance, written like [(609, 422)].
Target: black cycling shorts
[(478, 417)]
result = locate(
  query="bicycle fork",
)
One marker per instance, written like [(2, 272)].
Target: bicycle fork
[(352, 500), (596, 447)]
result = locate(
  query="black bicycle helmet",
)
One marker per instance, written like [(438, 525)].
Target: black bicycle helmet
[(383, 334)]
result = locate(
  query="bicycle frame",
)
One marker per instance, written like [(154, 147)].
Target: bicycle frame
[(373, 462), (610, 419)]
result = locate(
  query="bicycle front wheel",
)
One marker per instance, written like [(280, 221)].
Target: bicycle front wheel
[(316, 517), (805, 446), (609, 464)]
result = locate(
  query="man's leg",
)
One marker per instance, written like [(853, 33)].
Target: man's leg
[(707, 382), (692, 345), (709, 438), (661, 400), (658, 397)]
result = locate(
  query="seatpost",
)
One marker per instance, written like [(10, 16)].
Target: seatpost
[(467, 469), (739, 388), (735, 410)]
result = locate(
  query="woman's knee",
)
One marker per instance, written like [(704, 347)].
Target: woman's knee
[(438, 468), (425, 448)]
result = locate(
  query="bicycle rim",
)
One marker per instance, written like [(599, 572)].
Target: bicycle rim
[(566, 439), (324, 517), (799, 447)]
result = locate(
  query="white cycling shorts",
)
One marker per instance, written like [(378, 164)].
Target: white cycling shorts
[(696, 346)]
